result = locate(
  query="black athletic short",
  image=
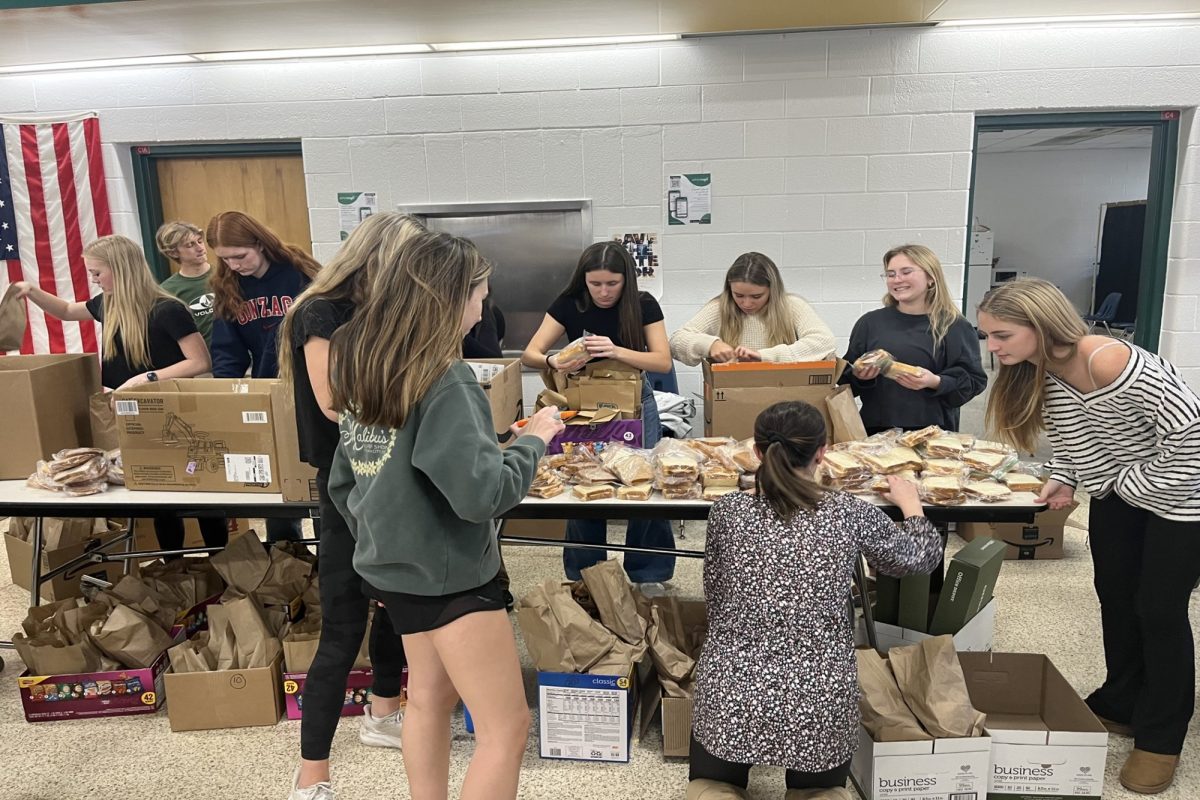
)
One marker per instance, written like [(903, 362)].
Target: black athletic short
[(418, 613)]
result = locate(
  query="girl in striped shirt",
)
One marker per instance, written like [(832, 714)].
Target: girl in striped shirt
[(1125, 427)]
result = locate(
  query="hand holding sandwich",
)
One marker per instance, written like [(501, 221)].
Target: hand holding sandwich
[(920, 379), (904, 495), (545, 425)]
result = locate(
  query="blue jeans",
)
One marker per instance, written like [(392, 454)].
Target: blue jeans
[(641, 567)]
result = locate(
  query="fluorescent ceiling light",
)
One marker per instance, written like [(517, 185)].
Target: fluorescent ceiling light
[(1059, 20), (582, 41), (314, 52), (98, 64)]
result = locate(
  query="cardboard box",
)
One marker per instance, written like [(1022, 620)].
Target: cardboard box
[(358, 692), (586, 717), (49, 396), (1046, 742), (626, 431), (236, 698), (501, 382), (734, 394), (298, 480), (555, 529), (20, 564), (970, 580), (1042, 539), (144, 537), (676, 711), (975, 636), (934, 769), (905, 602), (199, 434), (94, 694)]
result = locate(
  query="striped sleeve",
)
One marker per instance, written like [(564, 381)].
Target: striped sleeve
[(1172, 476), (1059, 466)]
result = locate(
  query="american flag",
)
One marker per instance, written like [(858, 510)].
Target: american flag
[(52, 202)]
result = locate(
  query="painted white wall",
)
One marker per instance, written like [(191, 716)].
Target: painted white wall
[(1043, 207), (826, 148)]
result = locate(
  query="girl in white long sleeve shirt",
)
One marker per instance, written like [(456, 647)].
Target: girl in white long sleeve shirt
[(753, 319)]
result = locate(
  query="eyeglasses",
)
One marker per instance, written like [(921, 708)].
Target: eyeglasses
[(891, 273)]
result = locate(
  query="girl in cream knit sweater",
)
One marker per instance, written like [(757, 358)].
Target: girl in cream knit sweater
[(753, 319)]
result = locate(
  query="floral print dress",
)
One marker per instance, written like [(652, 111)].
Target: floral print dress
[(776, 682)]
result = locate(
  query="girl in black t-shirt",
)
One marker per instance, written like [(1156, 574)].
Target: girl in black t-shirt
[(148, 336), (327, 304), (624, 324)]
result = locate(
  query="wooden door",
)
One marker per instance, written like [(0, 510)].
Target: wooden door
[(269, 188)]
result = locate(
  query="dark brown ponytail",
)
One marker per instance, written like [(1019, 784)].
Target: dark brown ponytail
[(788, 435)]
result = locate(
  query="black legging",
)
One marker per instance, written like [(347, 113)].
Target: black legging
[(168, 529), (344, 622), (707, 766)]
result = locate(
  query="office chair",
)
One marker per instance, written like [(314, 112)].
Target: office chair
[(1105, 314)]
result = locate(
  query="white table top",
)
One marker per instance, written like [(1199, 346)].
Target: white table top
[(17, 493)]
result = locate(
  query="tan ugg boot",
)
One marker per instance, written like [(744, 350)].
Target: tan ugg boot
[(1148, 773), (704, 789), (840, 793)]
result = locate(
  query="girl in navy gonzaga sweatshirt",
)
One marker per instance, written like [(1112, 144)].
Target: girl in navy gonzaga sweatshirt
[(255, 281)]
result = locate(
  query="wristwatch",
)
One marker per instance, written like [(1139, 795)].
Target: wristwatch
[(152, 376)]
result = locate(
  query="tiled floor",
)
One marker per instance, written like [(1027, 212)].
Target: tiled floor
[(1045, 607)]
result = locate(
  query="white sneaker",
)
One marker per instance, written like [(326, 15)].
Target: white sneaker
[(380, 731), (318, 791), (654, 589)]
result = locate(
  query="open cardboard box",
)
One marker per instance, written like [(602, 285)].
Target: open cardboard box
[(46, 405), (734, 394), (1046, 742), (232, 698)]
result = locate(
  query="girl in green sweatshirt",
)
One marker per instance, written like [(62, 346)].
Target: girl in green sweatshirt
[(419, 478)]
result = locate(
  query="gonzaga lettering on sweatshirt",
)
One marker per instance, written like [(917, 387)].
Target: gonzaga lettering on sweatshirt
[(247, 342)]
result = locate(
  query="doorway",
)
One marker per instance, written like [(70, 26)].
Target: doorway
[(195, 182), (1082, 200)]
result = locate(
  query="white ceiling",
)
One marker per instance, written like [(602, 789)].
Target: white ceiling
[(139, 28), (1063, 139)]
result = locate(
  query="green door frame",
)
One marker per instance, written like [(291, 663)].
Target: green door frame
[(1160, 190), (145, 179)]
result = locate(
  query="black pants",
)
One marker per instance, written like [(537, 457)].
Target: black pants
[(344, 622), (705, 765), (168, 529), (1145, 570)]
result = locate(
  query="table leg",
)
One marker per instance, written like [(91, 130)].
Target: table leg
[(129, 543), (35, 572), (860, 580)]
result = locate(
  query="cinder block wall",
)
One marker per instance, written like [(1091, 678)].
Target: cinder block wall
[(826, 148)]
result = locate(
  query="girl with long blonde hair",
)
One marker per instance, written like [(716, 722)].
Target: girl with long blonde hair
[(919, 325), (418, 477), (753, 319), (1125, 426), (146, 336), (149, 335), (339, 289)]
